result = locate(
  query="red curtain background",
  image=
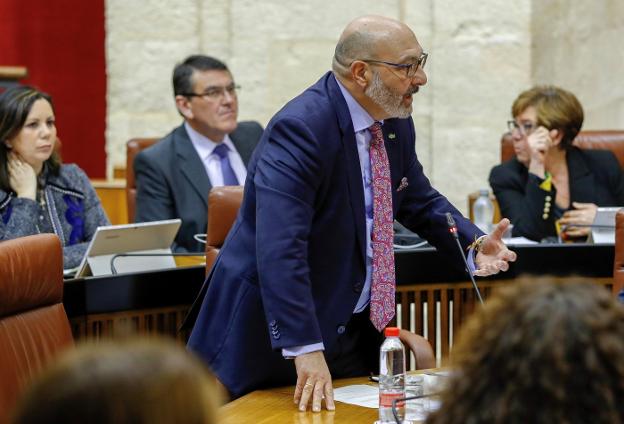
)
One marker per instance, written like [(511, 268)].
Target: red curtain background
[(61, 42)]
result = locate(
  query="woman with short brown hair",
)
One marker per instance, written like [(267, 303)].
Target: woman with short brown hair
[(550, 185)]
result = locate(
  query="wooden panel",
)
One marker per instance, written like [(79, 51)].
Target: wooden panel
[(447, 318), (162, 321), (112, 194), (119, 173)]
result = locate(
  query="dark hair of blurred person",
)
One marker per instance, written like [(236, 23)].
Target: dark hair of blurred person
[(183, 72), (132, 382), (540, 352)]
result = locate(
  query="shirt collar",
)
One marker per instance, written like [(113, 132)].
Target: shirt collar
[(360, 118), (203, 145)]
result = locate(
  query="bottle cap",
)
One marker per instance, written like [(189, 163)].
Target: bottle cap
[(391, 332)]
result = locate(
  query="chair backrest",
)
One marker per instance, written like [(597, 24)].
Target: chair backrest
[(133, 147), (596, 139), (618, 263), (33, 323), (223, 205)]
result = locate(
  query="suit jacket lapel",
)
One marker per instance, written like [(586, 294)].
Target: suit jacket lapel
[(581, 178), (191, 165), (352, 162), (244, 149), (393, 150), (392, 145)]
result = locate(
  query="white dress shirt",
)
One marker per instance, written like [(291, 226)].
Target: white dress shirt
[(212, 163)]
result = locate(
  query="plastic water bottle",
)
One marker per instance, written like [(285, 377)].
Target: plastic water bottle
[(391, 376), (483, 210)]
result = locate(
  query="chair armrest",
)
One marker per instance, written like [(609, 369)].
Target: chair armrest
[(420, 347)]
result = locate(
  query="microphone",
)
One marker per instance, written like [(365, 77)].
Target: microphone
[(120, 255), (453, 230)]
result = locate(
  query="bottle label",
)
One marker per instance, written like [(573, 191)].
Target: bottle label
[(385, 399)]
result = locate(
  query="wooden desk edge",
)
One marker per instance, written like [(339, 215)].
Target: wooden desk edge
[(108, 184)]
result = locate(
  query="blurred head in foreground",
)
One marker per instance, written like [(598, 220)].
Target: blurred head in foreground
[(146, 381), (540, 352)]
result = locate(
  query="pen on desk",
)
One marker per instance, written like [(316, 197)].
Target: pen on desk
[(374, 378)]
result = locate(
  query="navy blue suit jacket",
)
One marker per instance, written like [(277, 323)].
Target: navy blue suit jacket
[(293, 266)]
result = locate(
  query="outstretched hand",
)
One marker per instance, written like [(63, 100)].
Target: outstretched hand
[(494, 256)]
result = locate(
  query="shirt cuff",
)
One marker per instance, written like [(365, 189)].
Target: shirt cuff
[(293, 352), (472, 266)]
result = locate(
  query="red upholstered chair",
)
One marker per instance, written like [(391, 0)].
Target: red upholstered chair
[(223, 205), (133, 147), (33, 323), (596, 139), (618, 265), (420, 347)]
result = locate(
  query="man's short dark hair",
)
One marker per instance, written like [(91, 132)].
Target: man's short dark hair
[(182, 83)]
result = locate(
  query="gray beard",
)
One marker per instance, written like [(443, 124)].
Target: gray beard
[(390, 102)]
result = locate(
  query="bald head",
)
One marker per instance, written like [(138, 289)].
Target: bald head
[(367, 37)]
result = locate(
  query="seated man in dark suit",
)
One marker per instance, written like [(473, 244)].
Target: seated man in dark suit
[(209, 149)]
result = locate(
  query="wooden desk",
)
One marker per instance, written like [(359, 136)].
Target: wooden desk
[(112, 194), (434, 299), (276, 406), (153, 302)]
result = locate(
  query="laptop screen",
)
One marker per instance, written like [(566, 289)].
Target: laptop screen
[(143, 237)]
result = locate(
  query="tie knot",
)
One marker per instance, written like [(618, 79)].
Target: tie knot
[(377, 134), (221, 150)]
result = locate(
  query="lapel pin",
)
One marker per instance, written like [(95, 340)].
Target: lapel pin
[(391, 136)]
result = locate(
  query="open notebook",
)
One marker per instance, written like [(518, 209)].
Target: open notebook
[(144, 237)]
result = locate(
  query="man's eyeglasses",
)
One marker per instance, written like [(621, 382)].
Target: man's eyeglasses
[(216, 92), (525, 128), (410, 69)]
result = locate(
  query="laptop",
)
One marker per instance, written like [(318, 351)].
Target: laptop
[(603, 227), (136, 239)]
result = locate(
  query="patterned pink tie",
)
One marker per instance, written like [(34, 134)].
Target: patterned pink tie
[(382, 306)]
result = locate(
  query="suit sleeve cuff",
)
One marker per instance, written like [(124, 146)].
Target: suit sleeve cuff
[(293, 352)]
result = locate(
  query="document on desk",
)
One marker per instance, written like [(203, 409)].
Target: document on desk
[(358, 394)]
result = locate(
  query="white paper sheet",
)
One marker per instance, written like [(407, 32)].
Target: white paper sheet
[(358, 394)]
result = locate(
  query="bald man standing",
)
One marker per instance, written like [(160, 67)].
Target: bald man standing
[(305, 285)]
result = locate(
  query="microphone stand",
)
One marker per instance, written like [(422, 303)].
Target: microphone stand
[(395, 413), (453, 230)]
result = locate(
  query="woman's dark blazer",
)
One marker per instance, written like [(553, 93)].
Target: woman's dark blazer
[(595, 177)]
